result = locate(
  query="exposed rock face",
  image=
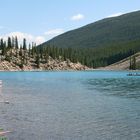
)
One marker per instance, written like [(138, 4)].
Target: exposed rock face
[(62, 65), (7, 66), (52, 64)]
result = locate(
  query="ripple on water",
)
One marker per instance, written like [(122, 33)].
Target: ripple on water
[(74, 105)]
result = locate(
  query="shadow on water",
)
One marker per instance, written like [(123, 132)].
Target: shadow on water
[(121, 87)]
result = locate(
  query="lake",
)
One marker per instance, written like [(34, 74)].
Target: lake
[(93, 105)]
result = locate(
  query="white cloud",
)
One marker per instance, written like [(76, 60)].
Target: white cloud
[(54, 32), (30, 38), (115, 15), (77, 17), (40, 39)]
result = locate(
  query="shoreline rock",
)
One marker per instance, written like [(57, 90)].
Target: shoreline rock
[(52, 65)]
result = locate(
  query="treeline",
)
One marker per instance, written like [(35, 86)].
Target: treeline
[(12, 43), (94, 57), (134, 64), (11, 49), (91, 57)]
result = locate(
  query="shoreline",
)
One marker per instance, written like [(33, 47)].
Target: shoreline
[(88, 70)]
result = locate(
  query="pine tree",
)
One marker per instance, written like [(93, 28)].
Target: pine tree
[(130, 67), (20, 51), (9, 43), (2, 47), (134, 63), (33, 49), (16, 43), (13, 42), (24, 44), (38, 60), (29, 53)]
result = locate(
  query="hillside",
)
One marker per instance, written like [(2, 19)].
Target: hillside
[(99, 44), (124, 64), (101, 33)]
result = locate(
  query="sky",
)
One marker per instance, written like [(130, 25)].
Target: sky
[(41, 20)]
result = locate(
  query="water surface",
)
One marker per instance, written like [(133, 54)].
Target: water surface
[(96, 105)]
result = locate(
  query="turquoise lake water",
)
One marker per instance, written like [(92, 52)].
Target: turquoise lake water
[(96, 105)]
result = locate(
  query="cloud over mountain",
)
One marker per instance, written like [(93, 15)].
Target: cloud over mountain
[(77, 17)]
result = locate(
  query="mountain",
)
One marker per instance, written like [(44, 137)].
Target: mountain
[(105, 32), (98, 44)]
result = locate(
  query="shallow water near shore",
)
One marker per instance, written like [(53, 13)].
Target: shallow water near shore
[(98, 105)]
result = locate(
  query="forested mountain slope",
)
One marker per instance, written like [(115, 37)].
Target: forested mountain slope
[(101, 33), (98, 44)]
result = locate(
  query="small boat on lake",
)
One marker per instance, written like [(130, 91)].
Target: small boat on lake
[(133, 74)]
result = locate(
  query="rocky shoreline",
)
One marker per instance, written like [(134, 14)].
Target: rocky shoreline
[(25, 60), (51, 65)]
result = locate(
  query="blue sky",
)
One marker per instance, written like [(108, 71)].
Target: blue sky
[(40, 20)]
